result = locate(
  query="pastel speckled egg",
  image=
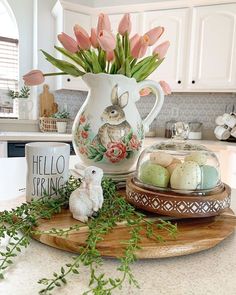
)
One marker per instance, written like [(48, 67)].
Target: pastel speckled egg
[(198, 157), (186, 176), (176, 160), (154, 174), (210, 177), (161, 158), (172, 167)]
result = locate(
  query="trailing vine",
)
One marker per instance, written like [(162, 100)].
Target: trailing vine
[(19, 225)]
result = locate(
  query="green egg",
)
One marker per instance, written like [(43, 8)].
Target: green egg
[(210, 177), (154, 174)]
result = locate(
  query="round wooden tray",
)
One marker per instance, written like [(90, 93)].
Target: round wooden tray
[(194, 235), (176, 205)]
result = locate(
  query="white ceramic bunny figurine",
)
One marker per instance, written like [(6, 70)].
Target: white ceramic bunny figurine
[(88, 198)]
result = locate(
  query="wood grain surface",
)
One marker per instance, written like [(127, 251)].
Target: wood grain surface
[(194, 235), (48, 105)]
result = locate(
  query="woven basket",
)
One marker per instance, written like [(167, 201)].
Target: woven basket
[(49, 124)]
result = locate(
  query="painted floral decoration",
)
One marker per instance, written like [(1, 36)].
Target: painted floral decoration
[(114, 152)]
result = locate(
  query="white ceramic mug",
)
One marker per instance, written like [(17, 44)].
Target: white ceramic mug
[(222, 132), (47, 168), (229, 120)]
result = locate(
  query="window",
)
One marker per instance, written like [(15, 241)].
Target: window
[(8, 63), (9, 59)]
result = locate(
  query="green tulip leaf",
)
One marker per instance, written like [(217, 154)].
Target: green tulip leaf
[(63, 65)]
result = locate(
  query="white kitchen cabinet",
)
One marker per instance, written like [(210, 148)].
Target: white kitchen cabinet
[(202, 54), (65, 21), (176, 24), (213, 48)]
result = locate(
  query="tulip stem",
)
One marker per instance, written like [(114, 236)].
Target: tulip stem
[(108, 67), (55, 74)]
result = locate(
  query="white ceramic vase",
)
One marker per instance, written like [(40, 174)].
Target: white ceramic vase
[(108, 131), (25, 106)]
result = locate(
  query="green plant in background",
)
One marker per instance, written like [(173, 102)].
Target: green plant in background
[(23, 93), (19, 225), (61, 115)]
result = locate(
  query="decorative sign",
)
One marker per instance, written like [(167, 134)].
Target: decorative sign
[(47, 168)]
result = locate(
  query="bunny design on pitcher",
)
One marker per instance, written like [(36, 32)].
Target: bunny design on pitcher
[(116, 127)]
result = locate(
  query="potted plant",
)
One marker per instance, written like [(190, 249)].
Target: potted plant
[(108, 129), (22, 102), (61, 123)]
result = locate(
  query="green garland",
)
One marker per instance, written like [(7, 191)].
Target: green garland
[(19, 225)]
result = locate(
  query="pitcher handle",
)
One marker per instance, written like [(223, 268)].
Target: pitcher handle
[(157, 90)]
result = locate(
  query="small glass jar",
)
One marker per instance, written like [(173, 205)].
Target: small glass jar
[(195, 130)]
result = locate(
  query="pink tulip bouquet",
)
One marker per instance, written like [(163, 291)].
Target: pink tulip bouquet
[(103, 52)]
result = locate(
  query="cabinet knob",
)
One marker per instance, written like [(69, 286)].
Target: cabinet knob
[(179, 82), (68, 79), (193, 82)]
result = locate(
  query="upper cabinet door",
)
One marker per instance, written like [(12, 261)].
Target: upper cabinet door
[(213, 48), (175, 21), (70, 18)]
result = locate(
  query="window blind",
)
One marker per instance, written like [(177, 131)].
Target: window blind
[(9, 63)]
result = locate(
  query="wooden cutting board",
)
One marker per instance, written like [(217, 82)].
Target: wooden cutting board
[(48, 106), (194, 235)]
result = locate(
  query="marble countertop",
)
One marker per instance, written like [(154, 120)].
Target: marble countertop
[(34, 136), (54, 136), (211, 272)]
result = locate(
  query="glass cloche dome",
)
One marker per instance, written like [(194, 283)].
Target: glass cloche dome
[(179, 166)]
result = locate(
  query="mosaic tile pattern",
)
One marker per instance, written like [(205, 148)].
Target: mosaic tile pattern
[(187, 107)]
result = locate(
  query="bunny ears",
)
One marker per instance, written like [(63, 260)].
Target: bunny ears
[(121, 100)]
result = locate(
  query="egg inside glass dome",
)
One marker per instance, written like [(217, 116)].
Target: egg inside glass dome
[(180, 167)]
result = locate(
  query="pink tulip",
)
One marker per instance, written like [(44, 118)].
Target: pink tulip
[(106, 40), (34, 77), (133, 41), (125, 24), (103, 23), (165, 87), (110, 55), (140, 47), (93, 38), (145, 91), (161, 49), (68, 43), (82, 37), (154, 34)]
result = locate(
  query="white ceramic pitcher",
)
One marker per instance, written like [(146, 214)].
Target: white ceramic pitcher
[(108, 131)]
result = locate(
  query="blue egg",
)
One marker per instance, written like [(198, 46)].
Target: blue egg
[(210, 177)]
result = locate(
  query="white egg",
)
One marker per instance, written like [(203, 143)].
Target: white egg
[(198, 157), (161, 158), (186, 176)]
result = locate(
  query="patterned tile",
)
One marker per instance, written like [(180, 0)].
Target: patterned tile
[(202, 107)]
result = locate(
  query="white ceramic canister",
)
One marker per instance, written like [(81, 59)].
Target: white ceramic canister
[(47, 168)]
